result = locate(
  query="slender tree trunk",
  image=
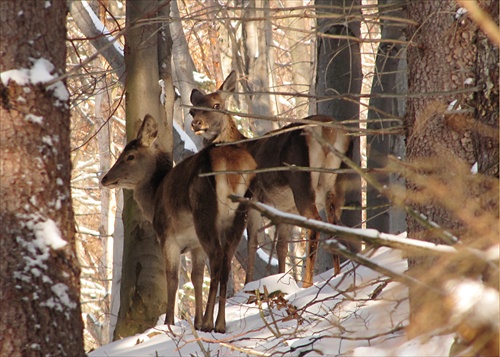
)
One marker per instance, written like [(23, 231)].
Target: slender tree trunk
[(143, 288), (183, 71), (389, 78), (339, 73), (299, 28), (256, 63), (39, 271)]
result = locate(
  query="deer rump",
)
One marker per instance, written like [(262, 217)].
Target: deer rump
[(307, 193), (298, 191), (188, 212)]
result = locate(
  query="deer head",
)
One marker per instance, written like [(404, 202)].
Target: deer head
[(140, 167), (211, 121)]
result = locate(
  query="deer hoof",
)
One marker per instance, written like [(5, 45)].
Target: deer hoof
[(207, 327), (220, 329)]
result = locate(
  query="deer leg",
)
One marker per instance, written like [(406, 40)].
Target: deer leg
[(312, 248), (333, 203), (214, 257), (198, 258), (283, 232), (171, 254), (210, 241), (232, 239), (253, 226)]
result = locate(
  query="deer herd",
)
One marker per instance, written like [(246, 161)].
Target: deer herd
[(193, 213)]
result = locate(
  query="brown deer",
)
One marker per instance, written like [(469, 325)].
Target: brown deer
[(306, 192), (188, 212)]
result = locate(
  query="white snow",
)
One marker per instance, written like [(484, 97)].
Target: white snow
[(451, 105), (48, 235), (41, 72), (188, 143), (473, 169), (201, 78), (469, 81), (36, 119), (336, 316), (460, 12)]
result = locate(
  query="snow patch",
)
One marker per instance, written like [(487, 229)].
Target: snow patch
[(36, 119), (48, 236), (188, 143), (460, 12), (473, 169), (40, 72)]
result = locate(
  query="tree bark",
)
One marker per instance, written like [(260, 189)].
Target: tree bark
[(40, 273), (447, 132)]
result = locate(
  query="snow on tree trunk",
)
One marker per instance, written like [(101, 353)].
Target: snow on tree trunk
[(40, 303)]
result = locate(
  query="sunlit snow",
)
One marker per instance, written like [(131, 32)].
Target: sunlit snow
[(336, 316)]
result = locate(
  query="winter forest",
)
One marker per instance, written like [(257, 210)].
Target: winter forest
[(353, 194)]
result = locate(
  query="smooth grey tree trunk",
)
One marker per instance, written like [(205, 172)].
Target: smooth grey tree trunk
[(339, 74), (143, 286), (389, 78)]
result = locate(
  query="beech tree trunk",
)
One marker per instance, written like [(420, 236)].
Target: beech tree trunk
[(338, 74), (39, 271), (256, 53), (143, 287), (384, 114)]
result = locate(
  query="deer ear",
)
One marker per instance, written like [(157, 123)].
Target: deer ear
[(148, 131), (229, 85), (196, 97)]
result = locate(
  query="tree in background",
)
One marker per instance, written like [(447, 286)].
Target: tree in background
[(143, 287), (39, 269), (338, 80), (386, 110)]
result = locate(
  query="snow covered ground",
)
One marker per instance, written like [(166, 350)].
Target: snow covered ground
[(358, 312)]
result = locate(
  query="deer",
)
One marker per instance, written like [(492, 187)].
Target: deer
[(307, 193), (189, 213)]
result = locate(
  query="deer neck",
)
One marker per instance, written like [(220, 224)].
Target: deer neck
[(229, 133), (146, 191)]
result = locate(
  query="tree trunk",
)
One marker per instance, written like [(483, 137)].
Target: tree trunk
[(389, 78), (256, 63), (40, 273), (183, 71), (339, 73), (143, 287), (299, 29), (447, 133)]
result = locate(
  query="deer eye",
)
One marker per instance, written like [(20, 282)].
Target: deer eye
[(216, 106), (130, 157)]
